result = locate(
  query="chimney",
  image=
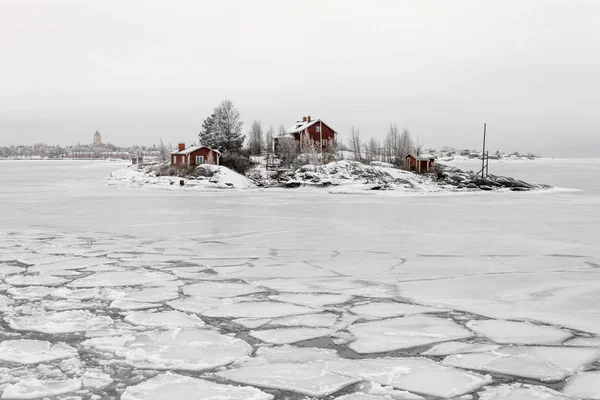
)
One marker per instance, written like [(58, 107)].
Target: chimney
[(181, 146), (308, 118), (303, 119)]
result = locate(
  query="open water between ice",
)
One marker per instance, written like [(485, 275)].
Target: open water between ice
[(110, 293)]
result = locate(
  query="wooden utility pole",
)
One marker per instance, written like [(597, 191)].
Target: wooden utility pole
[(483, 152)]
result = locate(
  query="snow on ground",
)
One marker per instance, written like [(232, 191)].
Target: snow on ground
[(140, 294), (222, 178)]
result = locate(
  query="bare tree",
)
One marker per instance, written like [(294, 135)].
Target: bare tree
[(372, 150), (269, 139), (405, 146), (287, 150), (164, 153), (355, 143), (255, 138)]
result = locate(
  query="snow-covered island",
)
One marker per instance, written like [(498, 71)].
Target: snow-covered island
[(338, 177)]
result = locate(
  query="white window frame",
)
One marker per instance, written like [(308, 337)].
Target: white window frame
[(318, 129), (183, 160), (201, 158)]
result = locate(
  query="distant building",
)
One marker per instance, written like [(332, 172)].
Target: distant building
[(422, 163), (97, 139), (309, 132), (194, 156)]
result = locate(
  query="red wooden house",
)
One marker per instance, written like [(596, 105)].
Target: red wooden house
[(194, 156), (309, 132)]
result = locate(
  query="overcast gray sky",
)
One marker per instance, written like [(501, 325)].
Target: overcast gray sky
[(139, 71)]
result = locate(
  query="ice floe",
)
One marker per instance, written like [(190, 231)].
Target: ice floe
[(34, 280), (35, 388), (60, 322), (26, 351), (220, 289), (584, 342), (194, 350), (172, 386), (386, 310), (519, 391), (95, 379), (122, 278), (165, 319), (290, 335), (518, 332), (546, 364), (252, 323), (133, 305), (312, 300), (416, 375), (314, 320), (256, 309), (447, 348), (301, 378), (404, 332), (584, 386), (291, 354)]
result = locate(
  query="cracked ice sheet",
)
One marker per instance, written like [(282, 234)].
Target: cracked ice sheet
[(60, 322), (507, 332), (584, 386), (386, 310), (568, 299), (301, 378), (311, 300), (256, 309), (165, 320), (547, 364), (172, 386), (338, 285), (291, 354), (326, 320), (123, 278), (404, 332), (290, 335), (34, 388), (34, 280), (293, 270), (584, 342), (220, 289), (416, 375), (34, 351), (447, 348), (519, 391), (193, 350)]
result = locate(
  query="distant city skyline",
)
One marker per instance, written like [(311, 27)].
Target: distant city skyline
[(142, 72)]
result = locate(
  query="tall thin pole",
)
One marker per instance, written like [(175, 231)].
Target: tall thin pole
[(483, 152)]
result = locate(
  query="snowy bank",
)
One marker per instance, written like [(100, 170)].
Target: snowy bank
[(208, 177)]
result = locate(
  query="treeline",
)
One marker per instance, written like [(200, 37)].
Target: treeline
[(392, 149)]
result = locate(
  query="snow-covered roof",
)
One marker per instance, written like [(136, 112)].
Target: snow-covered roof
[(424, 156), (191, 149), (299, 126)]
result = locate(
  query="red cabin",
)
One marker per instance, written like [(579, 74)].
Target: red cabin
[(309, 132), (194, 156)]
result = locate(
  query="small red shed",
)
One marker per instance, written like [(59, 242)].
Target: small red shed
[(194, 156), (422, 163)]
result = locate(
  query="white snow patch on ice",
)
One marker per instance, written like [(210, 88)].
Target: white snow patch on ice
[(290, 354), (220, 289), (446, 348), (35, 388), (519, 391)]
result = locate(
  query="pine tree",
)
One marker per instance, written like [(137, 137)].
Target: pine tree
[(207, 136)]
